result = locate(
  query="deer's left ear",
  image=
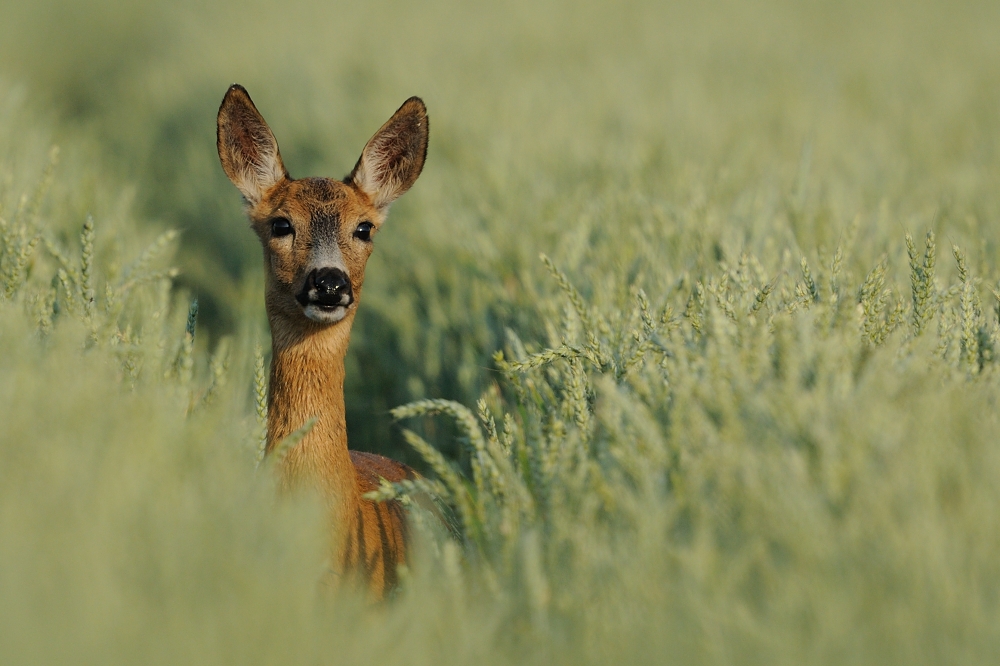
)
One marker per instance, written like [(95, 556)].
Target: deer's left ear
[(247, 148), (394, 157)]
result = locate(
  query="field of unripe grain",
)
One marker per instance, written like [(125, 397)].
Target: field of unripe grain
[(692, 319)]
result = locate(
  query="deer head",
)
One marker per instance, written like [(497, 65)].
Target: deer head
[(317, 232)]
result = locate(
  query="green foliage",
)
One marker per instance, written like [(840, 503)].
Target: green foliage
[(733, 414), (759, 439)]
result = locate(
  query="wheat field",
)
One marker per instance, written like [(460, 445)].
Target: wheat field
[(692, 322)]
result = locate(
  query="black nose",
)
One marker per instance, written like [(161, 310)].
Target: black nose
[(326, 286), (331, 282)]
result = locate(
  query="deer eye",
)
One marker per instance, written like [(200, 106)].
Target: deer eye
[(364, 231), (280, 227)]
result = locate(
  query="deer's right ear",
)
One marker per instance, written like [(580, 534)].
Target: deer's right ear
[(247, 148)]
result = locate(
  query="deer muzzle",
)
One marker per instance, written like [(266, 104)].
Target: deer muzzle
[(326, 295)]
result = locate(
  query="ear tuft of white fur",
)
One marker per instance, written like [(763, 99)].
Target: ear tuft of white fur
[(247, 148), (393, 158)]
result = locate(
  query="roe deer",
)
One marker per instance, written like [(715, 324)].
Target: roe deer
[(317, 236)]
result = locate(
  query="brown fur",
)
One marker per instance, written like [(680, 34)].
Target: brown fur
[(369, 540)]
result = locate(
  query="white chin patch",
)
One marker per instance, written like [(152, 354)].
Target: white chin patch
[(325, 315)]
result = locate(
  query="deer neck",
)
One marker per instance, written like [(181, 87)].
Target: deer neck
[(307, 382)]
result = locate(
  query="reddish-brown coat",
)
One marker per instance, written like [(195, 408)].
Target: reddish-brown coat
[(368, 539)]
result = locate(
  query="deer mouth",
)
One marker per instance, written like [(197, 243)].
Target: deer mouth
[(325, 314), (325, 310)]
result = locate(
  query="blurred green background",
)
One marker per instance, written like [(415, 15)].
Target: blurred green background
[(542, 114), (800, 470)]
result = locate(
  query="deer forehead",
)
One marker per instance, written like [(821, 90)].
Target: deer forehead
[(317, 203)]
